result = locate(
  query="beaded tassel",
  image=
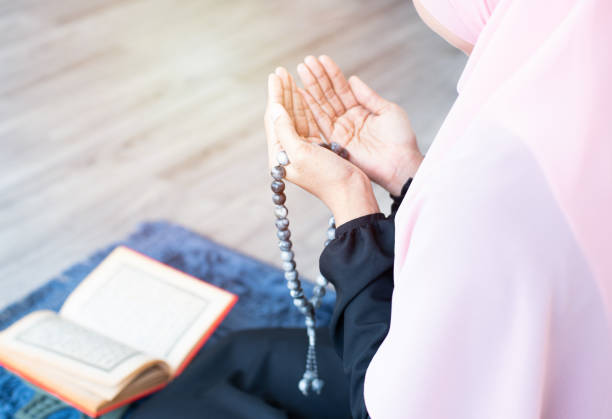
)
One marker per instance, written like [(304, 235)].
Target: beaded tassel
[(310, 380)]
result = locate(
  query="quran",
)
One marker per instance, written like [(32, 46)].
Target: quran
[(127, 330)]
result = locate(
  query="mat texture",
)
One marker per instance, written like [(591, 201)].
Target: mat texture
[(263, 298)]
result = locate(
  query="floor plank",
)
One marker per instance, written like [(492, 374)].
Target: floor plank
[(115, 112)]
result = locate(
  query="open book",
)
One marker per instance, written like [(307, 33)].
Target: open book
[(128, 329)]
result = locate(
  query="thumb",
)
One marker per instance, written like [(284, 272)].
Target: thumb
[(284, 129), (367, 97)]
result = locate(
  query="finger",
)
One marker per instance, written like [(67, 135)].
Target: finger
[(321, 117), (299, 110), (275, 89), (341, 86), (367, 97), (312, 86), (275, 98), (319, 72), (313, 128), (287, 96), (285, 132)]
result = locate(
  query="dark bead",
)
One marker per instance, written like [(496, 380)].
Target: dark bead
[(281, 211), (321, 280), (325, 145), (282, 224), (284, 245), (319, 292), (309, 375), (331, 233), (297, 293), (317, 385), (339, 150), (289, 266), (283, 234), (282, 158), (278, 198), (304, 386), (293, 284), (278, 172), (277, 186)]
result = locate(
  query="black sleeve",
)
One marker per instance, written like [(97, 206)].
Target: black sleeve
[(397, 200), (359, 262)]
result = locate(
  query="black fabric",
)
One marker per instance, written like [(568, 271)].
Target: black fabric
[(254, 374), (397, 200), (359, 262)]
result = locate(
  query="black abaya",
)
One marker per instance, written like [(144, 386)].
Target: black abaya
[(254, 373)]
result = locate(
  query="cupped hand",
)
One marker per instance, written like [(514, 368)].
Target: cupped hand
[(376, 133), (290, 126)]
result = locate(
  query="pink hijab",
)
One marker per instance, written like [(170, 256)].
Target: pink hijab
[(503, 275)]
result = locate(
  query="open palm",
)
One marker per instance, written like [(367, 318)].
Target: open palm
[(376, 133), (290, 126)]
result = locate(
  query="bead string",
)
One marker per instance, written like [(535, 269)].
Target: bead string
[(310, 380)]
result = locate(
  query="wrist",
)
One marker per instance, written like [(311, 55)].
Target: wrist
[(402, 172), (355, 199)]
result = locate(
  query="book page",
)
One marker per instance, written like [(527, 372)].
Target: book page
[(147, 305), (46, 338), (87, 396)]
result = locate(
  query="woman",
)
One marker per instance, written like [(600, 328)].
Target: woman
[(494, 299)]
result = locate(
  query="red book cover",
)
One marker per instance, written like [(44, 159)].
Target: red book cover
[(89, 287)]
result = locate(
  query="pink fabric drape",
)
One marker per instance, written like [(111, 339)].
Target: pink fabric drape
[(503, 273)]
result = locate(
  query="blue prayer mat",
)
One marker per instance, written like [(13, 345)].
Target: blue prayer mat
[(263, 298)]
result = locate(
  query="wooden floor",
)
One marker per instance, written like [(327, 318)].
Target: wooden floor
[(115, 112)]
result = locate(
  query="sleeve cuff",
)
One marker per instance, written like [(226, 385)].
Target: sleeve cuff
[(364, 244), (397, 200), (403, 191), (358, 222)]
